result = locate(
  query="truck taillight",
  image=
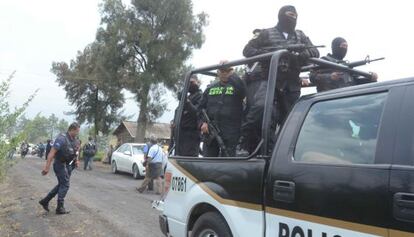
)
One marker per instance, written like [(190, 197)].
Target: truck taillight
[(167, 177)]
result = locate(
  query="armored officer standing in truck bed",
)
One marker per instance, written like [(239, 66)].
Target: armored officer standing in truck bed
[(289, 83), (328, 79), (189, 132)]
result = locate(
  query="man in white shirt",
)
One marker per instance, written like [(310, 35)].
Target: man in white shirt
[(154, 167)]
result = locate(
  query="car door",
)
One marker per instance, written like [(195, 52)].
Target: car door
[(402, 172), (329, 177), (121, 157), (128, 159)]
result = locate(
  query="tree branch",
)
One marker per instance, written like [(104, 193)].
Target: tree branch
[(144, 61)]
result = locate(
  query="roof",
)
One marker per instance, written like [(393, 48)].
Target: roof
[(158, 130)]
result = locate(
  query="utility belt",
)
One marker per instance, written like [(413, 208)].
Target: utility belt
[(67, 159)]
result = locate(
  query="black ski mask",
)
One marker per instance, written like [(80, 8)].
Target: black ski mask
[(337, 51), (193, 88), (287, 23)]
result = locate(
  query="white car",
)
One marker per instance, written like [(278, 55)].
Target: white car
[(129, 158)]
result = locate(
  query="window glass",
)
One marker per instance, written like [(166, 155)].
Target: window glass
[(342, 131), (123, 148), (138, 150)]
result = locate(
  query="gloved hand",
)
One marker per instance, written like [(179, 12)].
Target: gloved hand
[(304, 55), (241, 147)]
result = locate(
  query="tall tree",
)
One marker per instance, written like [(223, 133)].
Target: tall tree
[(153, 39), (92, 87)]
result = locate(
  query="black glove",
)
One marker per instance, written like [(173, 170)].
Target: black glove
[(304, 55)]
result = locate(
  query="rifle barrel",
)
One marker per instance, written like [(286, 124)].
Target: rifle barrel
[(328, 64)]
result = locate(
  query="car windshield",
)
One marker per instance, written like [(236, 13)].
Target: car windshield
[(138, 150)]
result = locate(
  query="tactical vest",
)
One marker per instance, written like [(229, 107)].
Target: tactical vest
[(276, 38), (68, 150)]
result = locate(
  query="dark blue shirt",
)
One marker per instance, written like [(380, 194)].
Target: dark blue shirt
[(65, 151)]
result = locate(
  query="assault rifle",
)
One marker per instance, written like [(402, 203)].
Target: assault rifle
[(214, 133), (367, 60), (293, 47)]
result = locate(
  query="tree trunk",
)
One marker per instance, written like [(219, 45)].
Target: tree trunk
[(96, 119), (143, 116)]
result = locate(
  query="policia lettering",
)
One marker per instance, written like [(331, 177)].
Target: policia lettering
[(297, 231), (219, 90)]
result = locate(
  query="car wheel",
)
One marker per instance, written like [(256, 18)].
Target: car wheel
[(114, 167), (211, 224), (135, 172)]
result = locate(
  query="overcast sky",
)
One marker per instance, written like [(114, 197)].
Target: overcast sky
[(35, 33)]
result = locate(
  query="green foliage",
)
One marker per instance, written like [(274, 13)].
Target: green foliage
[(9, 138), (91, 85), (99, 156), (40, 128), (149, 42)]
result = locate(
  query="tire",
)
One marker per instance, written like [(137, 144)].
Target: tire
[(135, 172), (211, 224), (114, 168)]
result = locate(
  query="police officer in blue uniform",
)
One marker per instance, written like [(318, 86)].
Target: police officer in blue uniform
[(64, 153)]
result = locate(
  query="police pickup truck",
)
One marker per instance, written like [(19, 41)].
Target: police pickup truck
[(342, 166)]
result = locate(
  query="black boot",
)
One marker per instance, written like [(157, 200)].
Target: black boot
[(45, 203), (60, 209)]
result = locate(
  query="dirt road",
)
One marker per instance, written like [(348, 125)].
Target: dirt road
[(101, 204)]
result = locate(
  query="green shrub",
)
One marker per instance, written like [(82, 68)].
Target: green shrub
[(9, 137)]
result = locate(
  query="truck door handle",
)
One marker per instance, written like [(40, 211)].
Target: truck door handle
[(284, 191), (403, 207)]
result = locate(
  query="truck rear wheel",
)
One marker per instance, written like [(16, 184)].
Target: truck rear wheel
[(211, 224)]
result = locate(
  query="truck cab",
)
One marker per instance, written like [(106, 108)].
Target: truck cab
[(342, 166)]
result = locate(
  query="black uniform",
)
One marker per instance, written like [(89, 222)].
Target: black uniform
[(224, 106), (322, 78), (288, 84), (189, 131)]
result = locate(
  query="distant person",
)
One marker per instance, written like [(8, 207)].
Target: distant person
[(328, 79), (89, 151), (64, 153), (109, 154), (49, 145), (24, 149), (154, 167), (41, 148), (146, 149), (118, 144)]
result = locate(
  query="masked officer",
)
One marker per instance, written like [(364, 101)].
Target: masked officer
[(289, 82), (189, 132), (64, 152), (328, 79), (223, 102)]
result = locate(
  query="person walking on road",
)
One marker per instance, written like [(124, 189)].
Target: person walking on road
[(89, 151), (64, 153), (154, 167)]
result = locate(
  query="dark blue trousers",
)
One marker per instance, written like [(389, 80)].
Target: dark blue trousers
[(63, 172)]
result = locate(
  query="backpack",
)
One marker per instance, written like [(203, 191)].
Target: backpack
[(89, 150)]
